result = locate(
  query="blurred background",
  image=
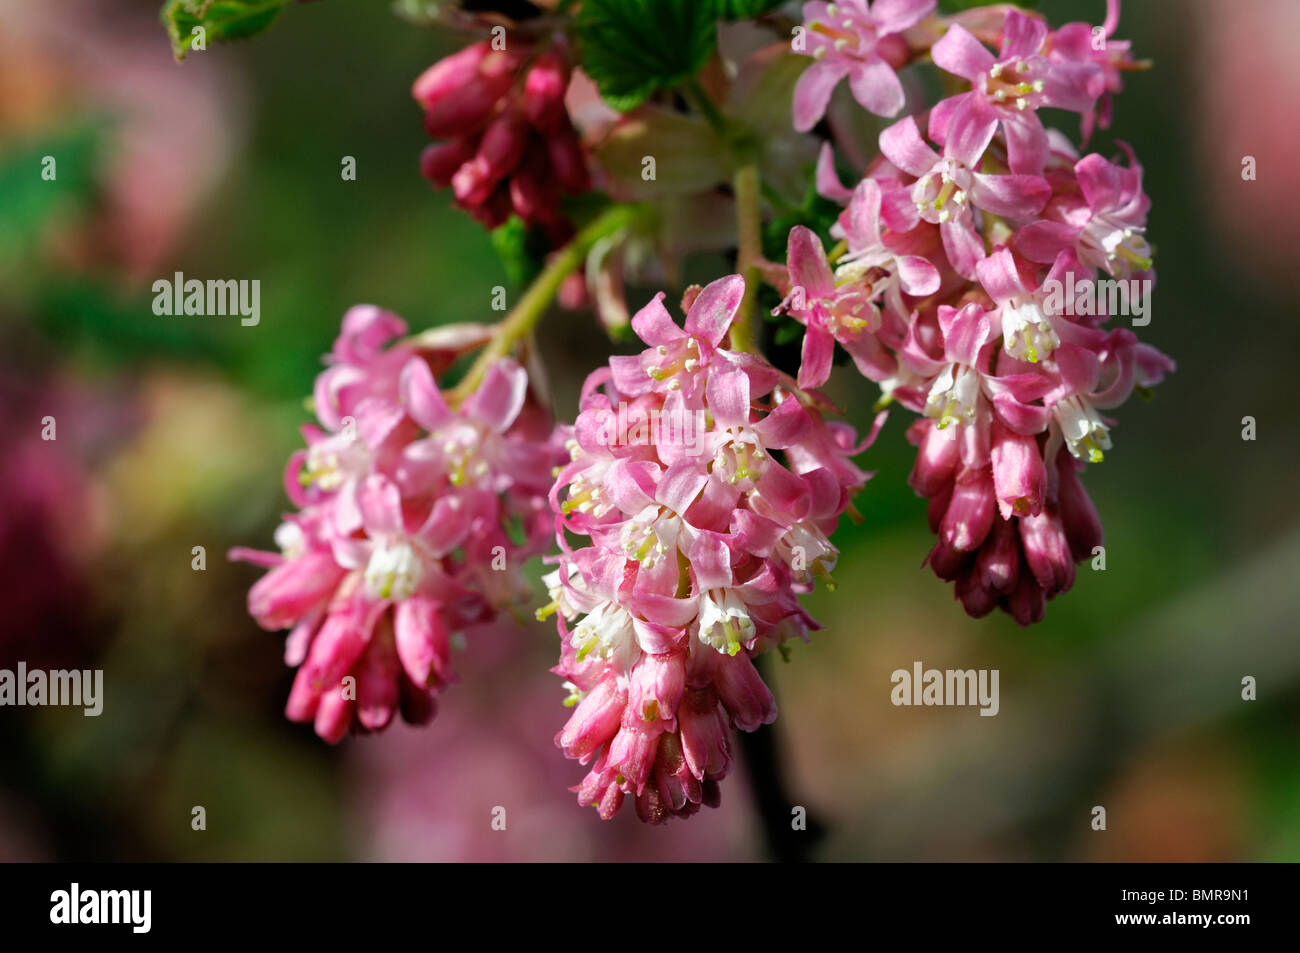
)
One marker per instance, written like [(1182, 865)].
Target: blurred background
[(172, 433)]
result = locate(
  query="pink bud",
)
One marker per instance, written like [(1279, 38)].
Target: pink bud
[(633, 751), (999, 558), (1027, 603), (290, 590), (970, 511), (594, 721), (503, 145), (378, 692), (677, 785), (937, 456), (422, 641), (744, 694), (334, 716), (460, 106), (1019, 476), (976, 598), (1078, 515), (706, 741), (544, 91), (533, 194), (655, 688), (1047, 551), (567, 159), (451, 74), (440, 160)]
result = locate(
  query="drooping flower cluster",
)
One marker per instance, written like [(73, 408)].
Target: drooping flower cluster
[(509, 145), (975, 280), (414, 520), (704, 490)]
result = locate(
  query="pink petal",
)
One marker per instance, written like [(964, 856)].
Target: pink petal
[(917, 275), (876, 86), (680, 484), (654, 325), (381, 505), (1013, 196), (808, 266), (420, 394), (895, 16), (970, 130), (710, 316), (785, 426), (961, 54), (500, 396), (812, 93), (728, 396), (1027, 146), (818, 351), (902, 145), (828, 180), (1022, 35), (963, 247), (1043, 241)]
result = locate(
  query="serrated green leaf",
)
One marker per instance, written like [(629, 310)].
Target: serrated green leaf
[(221, 20), (631, 48)]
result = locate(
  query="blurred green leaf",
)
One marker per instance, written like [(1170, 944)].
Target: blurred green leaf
[(631, 48), (31, 201), (745, 9), (520, 250), (220, 20)]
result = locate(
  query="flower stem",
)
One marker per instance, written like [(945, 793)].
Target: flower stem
[(525, 315), (745, 186)]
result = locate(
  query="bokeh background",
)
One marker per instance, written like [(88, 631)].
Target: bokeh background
[(172, 433)]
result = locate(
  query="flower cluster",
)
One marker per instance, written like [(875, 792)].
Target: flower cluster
[(414, 519), (974, 281), (509, 146), (704, 489)]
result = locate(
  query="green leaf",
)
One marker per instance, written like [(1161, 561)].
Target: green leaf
[(631, 48), (520, 249), (220, 20), (745, 9)]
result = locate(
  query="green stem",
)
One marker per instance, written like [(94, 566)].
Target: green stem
[(525, 315), (699, 99), (749, 251)]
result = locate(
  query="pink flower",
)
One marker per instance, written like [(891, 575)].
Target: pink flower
[(1011, 87), (699, 543), (1102, 219), (1078, 43), (861, 42), (845, 306), (950, 193), (415, 520)]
